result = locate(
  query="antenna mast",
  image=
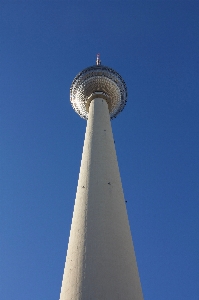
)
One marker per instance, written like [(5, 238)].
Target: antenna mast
[(98, 61)]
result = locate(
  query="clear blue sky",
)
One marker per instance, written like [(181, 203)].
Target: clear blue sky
[(154, 45)]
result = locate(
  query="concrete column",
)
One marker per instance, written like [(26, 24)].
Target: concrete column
[(101, 263)]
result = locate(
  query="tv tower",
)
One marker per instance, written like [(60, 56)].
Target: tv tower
[(100, 262)]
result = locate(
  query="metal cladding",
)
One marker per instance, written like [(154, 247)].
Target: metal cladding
[(98, 82)]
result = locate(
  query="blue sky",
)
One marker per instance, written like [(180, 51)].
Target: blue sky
[(154, 45)]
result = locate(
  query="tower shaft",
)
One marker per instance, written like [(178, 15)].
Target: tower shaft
[(101, 263)]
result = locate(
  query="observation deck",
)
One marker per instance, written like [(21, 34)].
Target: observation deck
[(98, 81)]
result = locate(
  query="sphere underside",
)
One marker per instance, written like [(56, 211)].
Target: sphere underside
[(98, 82)]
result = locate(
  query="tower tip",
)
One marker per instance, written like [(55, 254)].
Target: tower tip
[(98, 61)]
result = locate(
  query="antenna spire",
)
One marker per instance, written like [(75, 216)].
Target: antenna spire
[(98, 61)]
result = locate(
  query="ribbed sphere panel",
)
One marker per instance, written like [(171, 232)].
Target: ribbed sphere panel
[(101, 263), (102, 81)]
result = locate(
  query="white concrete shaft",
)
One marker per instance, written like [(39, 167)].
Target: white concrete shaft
[(101, 263)]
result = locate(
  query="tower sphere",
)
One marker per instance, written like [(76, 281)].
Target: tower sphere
[(98, 81)]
